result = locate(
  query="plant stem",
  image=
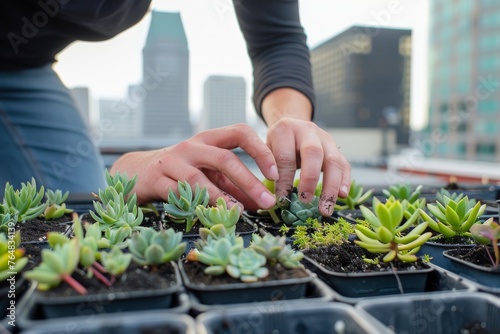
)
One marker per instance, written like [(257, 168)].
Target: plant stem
[(74, 284), (100, 276)]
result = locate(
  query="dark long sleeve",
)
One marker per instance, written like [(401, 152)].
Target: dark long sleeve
[(276, 44)]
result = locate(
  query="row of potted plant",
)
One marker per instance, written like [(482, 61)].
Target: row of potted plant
[(120, 235)]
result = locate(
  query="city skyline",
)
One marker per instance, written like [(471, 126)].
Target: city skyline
[(213, 23)]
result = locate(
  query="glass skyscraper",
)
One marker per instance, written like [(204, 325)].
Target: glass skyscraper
[(464, 65)]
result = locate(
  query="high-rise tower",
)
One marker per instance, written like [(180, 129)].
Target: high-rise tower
[(166, 79)]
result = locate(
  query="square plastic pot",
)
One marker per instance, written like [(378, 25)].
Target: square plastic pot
[(487, 278), (35, 305), (357, 285), (443, 313), (121, 323), (293, 317), (294, 288), (435, 251)]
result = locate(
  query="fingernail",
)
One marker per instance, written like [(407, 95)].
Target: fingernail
[(267, 200), (306, 197), (345, 190), (273, 173), (330, 209)]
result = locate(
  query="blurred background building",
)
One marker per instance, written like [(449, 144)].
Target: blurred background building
[(464, 62), (165, 82), (224, 102)]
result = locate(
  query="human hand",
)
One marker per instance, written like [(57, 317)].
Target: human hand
[(296, 142), (205, 159)]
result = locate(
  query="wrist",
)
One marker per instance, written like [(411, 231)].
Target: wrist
[(286, 103)]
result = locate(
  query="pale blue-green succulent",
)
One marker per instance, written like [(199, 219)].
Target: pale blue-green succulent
[(275, 249), (150, 247), (297, 212), (182, 209), (247, 265), (219, 214), (26, 202), (56, 207), (403, 191), (115, 261)]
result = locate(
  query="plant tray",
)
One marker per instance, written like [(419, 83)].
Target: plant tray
[(371, 283), (246, 292), (487, 276)]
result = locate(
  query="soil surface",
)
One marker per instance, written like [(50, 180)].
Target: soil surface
[(36, 229), (33, 252), (348, 258), (194, 271), (476, 255), (136, 278), (457, 240)]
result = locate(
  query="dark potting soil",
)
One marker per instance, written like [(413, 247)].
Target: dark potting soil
[(348, 258), (136, 278), (476, 255), (194, 271), (33, 251), (456, 240), (37, 229)]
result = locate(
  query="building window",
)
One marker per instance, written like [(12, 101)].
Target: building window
[(486, 148)]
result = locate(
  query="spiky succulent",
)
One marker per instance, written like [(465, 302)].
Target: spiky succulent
[(385, 233), (215, 254), (215, 232), (56, 207), (411, 208), (297, 212), (403, 191), (26, 202), (12, 258), (182, 208), (275, 249), (7, 220), (116, 213), (355, 198), (57, 266), (219, 214), (442, 193), (247, 265), (453, 218), (115, 261), (121, 182), (150, 247)]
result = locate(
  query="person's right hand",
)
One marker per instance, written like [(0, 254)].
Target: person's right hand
[(206, 159)]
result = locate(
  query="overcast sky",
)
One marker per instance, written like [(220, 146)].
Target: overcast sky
[(217, 46)]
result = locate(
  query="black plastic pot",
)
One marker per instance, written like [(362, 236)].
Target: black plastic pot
[(294, 317), (356, 285), (246, 292), (443, 313), (316, 291), (122, 323), (435, 251), (11, 295), (36, 305), (33, 312), (487, 277), (438, 281)]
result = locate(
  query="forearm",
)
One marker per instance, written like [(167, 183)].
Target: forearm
[(286, 102)]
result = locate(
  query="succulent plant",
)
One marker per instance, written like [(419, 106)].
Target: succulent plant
[(115, 262), (384, 235), (121, 182), (354, 199), (403, 191), (26, 202), (488, 234), (453, 218), (215, 232), (315, 234), (150, 247), (7, 221), (56, 207), (116, 213), (215, 254), (12, 259), (442, 193), (247, 265), (57, 266), (297, 212), (275, 249), (182, 209), (411, 208), (219, 214)]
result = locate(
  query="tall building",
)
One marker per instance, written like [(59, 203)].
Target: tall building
[(464, 64), (166, 79), (81, 97), (362, 80), (120, 119), (224, 102)]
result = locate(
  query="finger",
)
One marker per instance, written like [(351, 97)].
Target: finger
[(212, 158), (311, 154), (284, 151), (244, 137), (336, 175)]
